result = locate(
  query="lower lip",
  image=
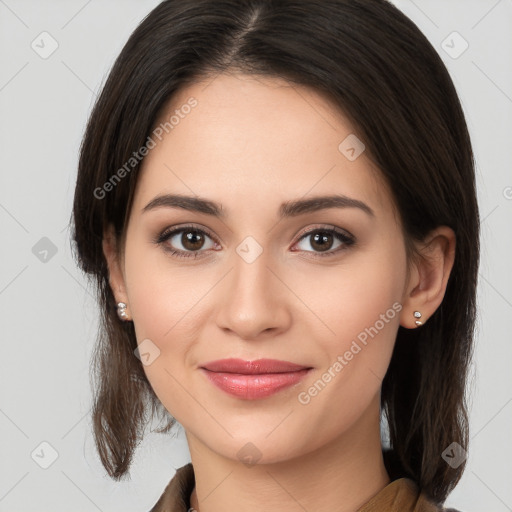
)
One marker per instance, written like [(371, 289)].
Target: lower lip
[(252, 387)]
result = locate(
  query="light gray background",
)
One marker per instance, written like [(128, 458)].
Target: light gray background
[(49, 315)]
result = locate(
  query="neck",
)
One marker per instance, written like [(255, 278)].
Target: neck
[(340, 476)]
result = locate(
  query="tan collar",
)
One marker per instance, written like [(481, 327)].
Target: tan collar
[(400, 495)]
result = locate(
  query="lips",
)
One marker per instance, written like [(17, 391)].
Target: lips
[(252, 380), (252, 367)]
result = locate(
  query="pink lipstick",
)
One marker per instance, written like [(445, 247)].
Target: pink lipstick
[(251, 380)]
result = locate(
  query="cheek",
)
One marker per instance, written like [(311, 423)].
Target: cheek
[(162, 295), (168, 307), (363, 309), (363, 292), (360, 304)]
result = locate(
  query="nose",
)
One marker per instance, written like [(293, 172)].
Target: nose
[(253, 300)]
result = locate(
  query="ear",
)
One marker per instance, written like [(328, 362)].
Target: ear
[(429, 276), (115, 267)]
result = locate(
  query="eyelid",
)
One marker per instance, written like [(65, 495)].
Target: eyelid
[(326, 227), (178, 228)]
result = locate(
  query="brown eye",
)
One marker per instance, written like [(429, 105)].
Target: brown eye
[(322, 241), (326, 241), (192, 240), (187, 242)]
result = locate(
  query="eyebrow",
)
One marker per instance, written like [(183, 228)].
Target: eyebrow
[(287, 209)]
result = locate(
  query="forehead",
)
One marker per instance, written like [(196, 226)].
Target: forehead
[(253, 139)]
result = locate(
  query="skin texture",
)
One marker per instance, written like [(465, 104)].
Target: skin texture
[(252, 144)]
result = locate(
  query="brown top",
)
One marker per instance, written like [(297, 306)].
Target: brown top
[(400, 495)]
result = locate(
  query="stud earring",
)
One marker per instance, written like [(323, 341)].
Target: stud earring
[(417, 314), (121, 311)]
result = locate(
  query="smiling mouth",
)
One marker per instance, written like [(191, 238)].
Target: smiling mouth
[(251, 380)]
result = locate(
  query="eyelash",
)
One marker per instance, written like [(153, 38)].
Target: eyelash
[(346, 239)]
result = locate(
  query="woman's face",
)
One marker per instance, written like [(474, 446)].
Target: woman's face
[(264, 278)]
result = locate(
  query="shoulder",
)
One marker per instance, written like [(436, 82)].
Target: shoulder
[(176, 496), (402, 494)]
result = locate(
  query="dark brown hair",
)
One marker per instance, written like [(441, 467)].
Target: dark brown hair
[(376, 65)]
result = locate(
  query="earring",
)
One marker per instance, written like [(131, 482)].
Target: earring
[(121, 311), (417, 314)]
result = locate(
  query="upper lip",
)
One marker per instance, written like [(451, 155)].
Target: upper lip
[(255, 367)]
